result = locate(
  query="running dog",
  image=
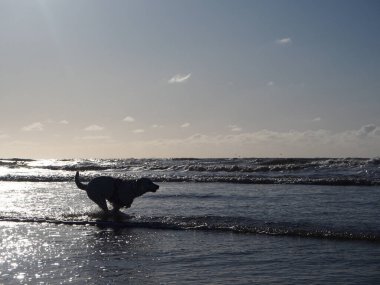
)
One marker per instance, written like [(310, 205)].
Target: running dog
[(120, 193)]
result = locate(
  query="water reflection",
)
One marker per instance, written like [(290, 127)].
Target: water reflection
[(41, 200), (122, 254), (31, 253)]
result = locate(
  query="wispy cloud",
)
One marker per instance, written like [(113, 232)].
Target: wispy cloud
[(270, 83), (284, 41), (138, 131), (37, 126), (95, 138), (234, 128), (155, 126), (129, 119), (185, 125), (94, 128), (179, 78), (317, 119), (368, 130), (64, 122), (3, 136)]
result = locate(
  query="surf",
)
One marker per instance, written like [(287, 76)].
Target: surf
[(237, 225), (297, 171)]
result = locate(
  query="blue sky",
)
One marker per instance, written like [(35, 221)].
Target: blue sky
[(209, 78)]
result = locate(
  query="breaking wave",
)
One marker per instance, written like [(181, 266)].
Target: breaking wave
[(332, 181), (317, 171)]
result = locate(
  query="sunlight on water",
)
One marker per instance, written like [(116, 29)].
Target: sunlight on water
[(45, 163), (61, 254), (348, 171), (25, 173), (43, 200), (52, 232), (14, 196)]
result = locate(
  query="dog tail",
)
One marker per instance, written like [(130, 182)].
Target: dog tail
[(79, 184)]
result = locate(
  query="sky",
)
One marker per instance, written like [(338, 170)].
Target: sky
[(200, 78)]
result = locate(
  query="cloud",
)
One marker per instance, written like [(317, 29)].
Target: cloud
[(234, 128), (284, 41), (270, 83), (39, 127), (64, 122), (94, 128), (317, 119), (362, 142), (3, 136), (138, 131), (178, 78), (95, 138), (185, 125), (367, 130), (129, 119), (155, 126)]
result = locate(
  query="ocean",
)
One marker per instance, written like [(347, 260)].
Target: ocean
[(213, 221)]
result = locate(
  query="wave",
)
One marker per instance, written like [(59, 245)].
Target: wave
[(293, 180), (196, 164), (237, 225), (309, 171)]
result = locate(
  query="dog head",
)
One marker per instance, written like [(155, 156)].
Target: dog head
[(146, 185)]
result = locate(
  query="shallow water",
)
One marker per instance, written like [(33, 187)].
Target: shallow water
[(191, 233), (44, 254), (294, 210)]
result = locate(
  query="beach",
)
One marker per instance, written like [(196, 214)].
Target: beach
[(187, 232)]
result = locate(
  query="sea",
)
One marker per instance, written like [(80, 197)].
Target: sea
[(212, 221)]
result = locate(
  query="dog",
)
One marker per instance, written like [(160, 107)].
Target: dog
[(120, 193)]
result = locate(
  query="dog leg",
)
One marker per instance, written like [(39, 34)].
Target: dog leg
[(102, 204), (116, 208)]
